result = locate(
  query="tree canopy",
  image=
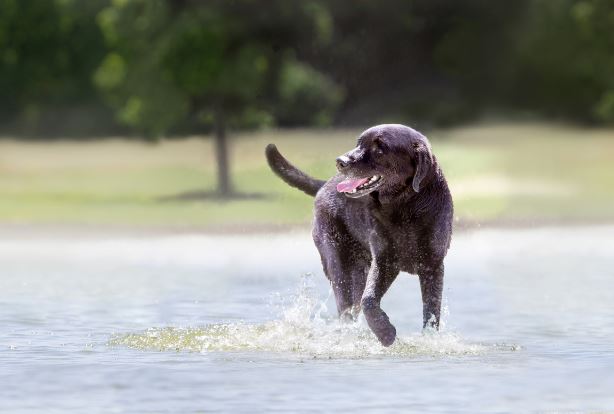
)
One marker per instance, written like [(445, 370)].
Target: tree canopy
[(173, 64), (159, 67)]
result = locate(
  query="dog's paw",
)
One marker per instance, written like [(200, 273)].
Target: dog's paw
[(379, 323), (388, 335)]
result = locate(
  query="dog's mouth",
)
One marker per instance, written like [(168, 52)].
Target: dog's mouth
[(358, 187)]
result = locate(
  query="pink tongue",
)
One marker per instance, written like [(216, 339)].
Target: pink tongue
[(349, 185)]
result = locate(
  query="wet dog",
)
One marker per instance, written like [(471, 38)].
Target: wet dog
[(387, 210)]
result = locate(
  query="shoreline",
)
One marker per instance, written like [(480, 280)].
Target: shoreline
[(90, 230)]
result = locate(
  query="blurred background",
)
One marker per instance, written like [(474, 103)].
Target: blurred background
[(155, 113), (137, 211)]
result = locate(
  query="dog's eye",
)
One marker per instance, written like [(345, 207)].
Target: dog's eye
[(376, 148)]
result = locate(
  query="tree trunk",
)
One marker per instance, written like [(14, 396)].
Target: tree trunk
[(224, 185)]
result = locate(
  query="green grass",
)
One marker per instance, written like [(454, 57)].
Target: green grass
[(526, 172)]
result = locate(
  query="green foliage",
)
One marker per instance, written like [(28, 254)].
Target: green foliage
[(604, 110), (48, 50), (565, 60), (171, 65), (306, 97)]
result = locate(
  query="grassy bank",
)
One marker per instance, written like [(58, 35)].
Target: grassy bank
[(501, 173)]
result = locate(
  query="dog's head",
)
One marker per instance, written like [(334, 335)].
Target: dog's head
[(388, 158)]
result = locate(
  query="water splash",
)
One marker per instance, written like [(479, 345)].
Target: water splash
[(302, 328)]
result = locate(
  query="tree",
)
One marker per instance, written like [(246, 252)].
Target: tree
[(215, 64), (48, 51), (564, 61)]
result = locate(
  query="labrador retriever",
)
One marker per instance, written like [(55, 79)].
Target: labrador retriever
[(387, 210)]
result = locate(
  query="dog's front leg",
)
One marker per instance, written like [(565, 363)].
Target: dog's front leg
[(381, 275), (431, 286)]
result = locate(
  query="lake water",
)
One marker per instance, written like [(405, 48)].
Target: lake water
[(196, 323)]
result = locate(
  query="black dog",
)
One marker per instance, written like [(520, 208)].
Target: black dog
[(388, 210)]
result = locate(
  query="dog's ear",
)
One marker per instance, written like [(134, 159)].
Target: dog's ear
[(424, 164)]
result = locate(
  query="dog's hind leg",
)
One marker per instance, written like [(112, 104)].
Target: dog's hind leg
[(335, 262), (360, 270)]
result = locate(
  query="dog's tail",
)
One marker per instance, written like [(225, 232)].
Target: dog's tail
[(290, 174)]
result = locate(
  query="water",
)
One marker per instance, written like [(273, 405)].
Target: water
[(192, 323)]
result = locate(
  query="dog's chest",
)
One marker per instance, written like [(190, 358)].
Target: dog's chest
[(404, 236), (406, 247)]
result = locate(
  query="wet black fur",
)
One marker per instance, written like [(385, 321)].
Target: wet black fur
[(404, 225)]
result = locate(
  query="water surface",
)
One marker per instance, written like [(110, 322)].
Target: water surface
[(193, 323)]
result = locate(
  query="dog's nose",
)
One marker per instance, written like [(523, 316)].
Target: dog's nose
[(342, 162)]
